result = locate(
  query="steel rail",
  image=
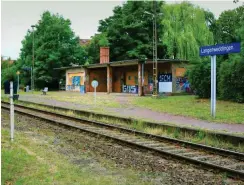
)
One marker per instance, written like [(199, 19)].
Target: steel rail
[(220, 151), (231, 138), (231, 172)]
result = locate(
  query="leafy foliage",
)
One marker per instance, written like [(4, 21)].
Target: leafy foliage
[(232, 80), (93, 49), (185, 30), (55, 46), (227, 24), (130, 31), (8, 71), (8, 74), (228, 28), (200, 80), (240, 33)]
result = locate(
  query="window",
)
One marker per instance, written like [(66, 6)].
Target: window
[(129, 78), (136, 80)]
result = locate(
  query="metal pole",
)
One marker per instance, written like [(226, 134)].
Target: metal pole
[(142, 74), (214, 103), (156, 48), (155, 62), (18, 85), (11, 112), (213, 85), (33, 58), (31, 80), (95, 96)]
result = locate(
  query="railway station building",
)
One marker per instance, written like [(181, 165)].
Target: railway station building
[(127, 76)]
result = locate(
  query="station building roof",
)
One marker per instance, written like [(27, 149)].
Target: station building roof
[(124, 63)]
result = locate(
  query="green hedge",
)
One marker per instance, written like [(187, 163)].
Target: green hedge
[(231, 84), (230, 79), (200, 80)]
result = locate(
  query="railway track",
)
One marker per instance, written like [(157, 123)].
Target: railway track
[(230, 162)]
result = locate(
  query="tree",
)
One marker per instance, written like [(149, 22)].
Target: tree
[(93, 49), (232, 80), (8, 71), (227, 24), (199, 77), (186, 28), (130, 31), (240, 33), (55, 46)]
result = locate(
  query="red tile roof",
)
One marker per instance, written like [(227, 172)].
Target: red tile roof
[(84, 42)]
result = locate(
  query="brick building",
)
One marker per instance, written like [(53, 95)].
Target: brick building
[(128, 76)]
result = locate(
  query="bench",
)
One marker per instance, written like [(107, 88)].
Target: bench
[(44, 91)]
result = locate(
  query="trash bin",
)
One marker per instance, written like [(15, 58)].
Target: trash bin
[(27, 88)]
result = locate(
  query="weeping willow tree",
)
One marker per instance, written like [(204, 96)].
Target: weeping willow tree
[(185, 29)]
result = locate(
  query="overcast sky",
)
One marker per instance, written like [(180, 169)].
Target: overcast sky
[(17, 17)]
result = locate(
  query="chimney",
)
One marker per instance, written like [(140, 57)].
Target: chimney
[(104, 55)]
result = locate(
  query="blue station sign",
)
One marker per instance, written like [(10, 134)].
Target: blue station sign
[(220, 49)]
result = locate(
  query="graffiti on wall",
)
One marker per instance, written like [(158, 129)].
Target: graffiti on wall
[(76, 80), (165, 77), (130, 89), (165, 82), (182, 84)]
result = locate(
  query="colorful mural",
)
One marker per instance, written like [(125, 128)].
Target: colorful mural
[(180, 72), (182, 84), (165, 77), (165, 83), (76, 80), (130, 89)]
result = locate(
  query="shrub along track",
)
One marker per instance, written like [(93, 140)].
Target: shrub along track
[(208, 157)]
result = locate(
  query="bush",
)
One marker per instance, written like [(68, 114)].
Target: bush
[(8, 74), (200, 79), (231, 83)]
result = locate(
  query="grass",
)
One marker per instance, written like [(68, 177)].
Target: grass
[(26, 162), (226, 112), (201, 137), (75, 97), (20, 166), (190, 106)]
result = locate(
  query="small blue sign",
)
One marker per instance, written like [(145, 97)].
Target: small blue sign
[(26, 68), (165, 77), (220, 49)]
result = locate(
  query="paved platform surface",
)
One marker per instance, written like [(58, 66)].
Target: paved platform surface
[(142, 113)]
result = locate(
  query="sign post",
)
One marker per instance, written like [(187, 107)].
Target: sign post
[(11, 112), (213, 85), (219, 49), (94, 85), (18, 81)]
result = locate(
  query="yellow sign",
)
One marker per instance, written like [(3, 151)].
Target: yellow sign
[(18, 73), (180, 72)]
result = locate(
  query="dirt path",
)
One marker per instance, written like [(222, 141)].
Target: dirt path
[(126, 110)]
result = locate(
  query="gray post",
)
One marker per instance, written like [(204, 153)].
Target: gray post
[(18, 85), (31, 81), (142, 74), (11, 112), (33, 60), (214, 103), (95, 95), (213, 85)]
